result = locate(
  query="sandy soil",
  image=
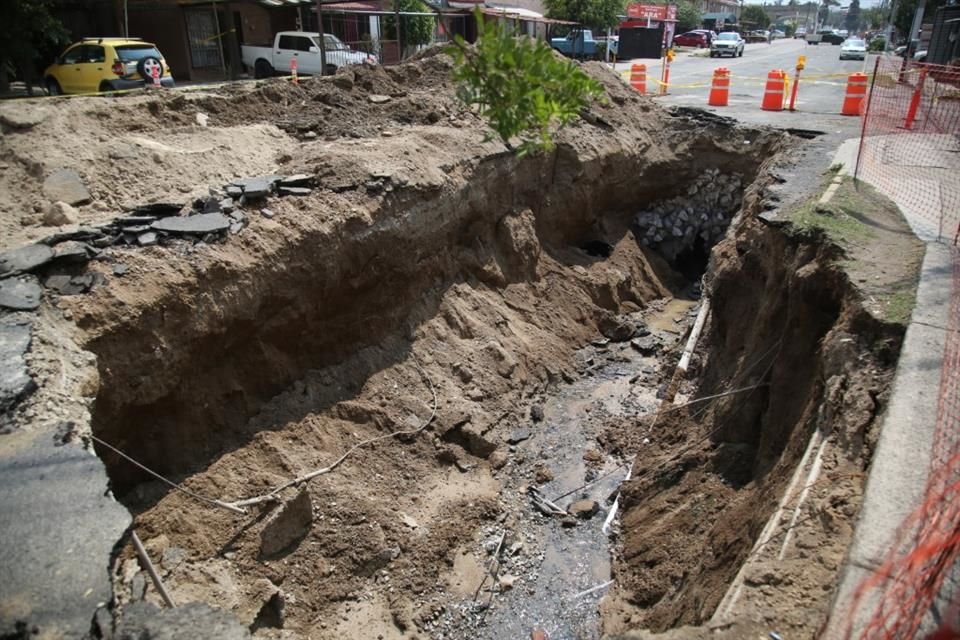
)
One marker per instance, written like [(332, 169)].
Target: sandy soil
[(428, 262)]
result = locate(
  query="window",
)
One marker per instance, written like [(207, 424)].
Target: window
[(92, 53), (73, 56), (295, 43), (333, 43), (137, 52)]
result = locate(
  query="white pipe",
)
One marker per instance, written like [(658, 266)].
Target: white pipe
[(811, 480), (616, 505), (694, 336), (733, 594)]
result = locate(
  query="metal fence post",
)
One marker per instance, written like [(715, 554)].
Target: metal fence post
[(866, 116)]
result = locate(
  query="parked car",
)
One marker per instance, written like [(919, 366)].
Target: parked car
[(801, 32), (106, 64), (579, 43), (698, 39), (853, 49), (777, 34), (302, 46), (825, 35), (728, 42)]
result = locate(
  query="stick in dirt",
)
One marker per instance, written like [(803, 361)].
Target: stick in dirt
[(148, 565)]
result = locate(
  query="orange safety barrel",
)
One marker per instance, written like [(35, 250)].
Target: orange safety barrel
[(774, 92), (856, 92), (638, 77), (720, 88)]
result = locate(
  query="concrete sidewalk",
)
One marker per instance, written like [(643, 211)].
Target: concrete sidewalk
[(901, 464)]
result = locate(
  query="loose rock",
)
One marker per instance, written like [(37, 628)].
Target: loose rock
[(65, 185), (199, 224), (15, 381), (59, 214), (73, 252), (518, 436), (23, 259), (288, 526), (20, 294), (584, 509)]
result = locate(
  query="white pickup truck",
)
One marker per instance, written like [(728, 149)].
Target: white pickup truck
[(303, 47)]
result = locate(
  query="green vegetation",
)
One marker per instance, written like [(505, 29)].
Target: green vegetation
[(521, 87), (852, 22), (688, 16), (754, 16), (414, 30), (833, 220), (599, 14), (28, 33), (897, 306)]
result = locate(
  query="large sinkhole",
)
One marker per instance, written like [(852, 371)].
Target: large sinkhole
[(475, 299)]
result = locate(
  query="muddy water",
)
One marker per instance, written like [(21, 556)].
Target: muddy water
[(558, 572)]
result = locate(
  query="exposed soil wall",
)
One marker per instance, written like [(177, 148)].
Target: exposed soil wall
[(790, 351)]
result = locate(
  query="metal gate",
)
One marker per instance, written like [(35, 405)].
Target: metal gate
[(640, 43), (202, 35)]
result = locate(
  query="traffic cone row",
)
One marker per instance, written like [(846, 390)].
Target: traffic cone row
[(774, 95)]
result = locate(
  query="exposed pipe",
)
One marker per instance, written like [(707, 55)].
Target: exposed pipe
[(694, 336)]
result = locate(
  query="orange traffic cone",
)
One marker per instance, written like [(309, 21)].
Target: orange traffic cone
[(856, 92), (638, 77), (773, 94), (720, 89)]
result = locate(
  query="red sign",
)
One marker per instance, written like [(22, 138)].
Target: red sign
[(652, 11)]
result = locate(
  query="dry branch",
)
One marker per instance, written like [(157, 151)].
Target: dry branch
[(274, 494)]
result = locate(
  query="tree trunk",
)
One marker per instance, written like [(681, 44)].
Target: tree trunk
[(4, 78)]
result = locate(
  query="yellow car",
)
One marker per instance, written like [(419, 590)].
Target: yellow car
[(106, 64)]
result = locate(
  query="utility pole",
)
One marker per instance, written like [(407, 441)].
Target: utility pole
[(323, 42), (914, 42)]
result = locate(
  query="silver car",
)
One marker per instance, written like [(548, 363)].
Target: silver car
[(853, 49), (727, 43)]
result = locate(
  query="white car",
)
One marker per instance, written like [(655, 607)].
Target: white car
[(853, 49), (304, 48), (728, 42)]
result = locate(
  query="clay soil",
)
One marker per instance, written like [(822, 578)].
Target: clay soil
[(433, 283)]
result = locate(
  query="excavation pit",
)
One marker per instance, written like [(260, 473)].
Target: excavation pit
[(516, 322)]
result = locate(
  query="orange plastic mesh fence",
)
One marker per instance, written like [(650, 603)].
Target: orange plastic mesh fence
[(906, 595), (911, 138)]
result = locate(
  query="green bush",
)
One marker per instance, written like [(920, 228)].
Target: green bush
[(877, 44), (519, 85)]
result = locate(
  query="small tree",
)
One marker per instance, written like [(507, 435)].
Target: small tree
[(27, 30), (414, 30), (601, 14), (753, 14), (852, 22), (519, 85), (688, 16)]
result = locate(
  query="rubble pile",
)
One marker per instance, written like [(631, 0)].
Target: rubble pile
[(58, 262), (704, 213)]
